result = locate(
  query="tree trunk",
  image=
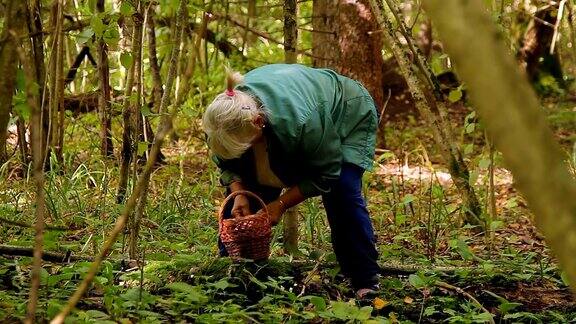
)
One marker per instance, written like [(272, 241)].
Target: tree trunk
[(128, 135), (153, 58), (37, 173), (424, 104), (494, 81), (106, 146), (345, 41), (56, 84), (13, 26), (35, 27), (290, 223)]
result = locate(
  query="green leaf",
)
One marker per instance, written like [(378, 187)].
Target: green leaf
[(96, 314), (44, 275), (455, 95), (462, 248), (496, 225), (97, 25), (416, 281), (468, 149), (364, 313), (408, 199), (111, 36), (23, 110), (318, 302), (126, 8), (85, 35), (470, 128), (341, 310), (222, 284), (126, 60), (429, 311), (142, 147), (506, 307), (484, 163)]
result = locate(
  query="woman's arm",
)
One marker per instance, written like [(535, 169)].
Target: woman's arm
[(290, 198)]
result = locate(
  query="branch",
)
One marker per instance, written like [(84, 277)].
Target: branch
[(467, 295), (224, 46), (46, 256), (265, 35), (22, 224)]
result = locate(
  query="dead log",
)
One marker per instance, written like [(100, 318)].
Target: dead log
[(46, 256)]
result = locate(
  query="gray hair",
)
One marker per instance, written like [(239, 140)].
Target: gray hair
[(228, 120)]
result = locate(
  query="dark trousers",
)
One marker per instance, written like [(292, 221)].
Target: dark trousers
[(351, 229)]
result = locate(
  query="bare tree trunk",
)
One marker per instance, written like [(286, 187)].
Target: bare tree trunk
[(128, 136), (22, 144), (106, 146), (344, 39), (142, 184), (13, 24), (494, 81), (448, 150), (134, 223), (59, 130), (153, 58), (325, 14), (38, 164), (56, 83), (290, 222)]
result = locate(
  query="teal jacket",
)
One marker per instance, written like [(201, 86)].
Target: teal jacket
[(317, 119)]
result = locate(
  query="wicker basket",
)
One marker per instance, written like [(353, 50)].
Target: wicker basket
[(246, 237)]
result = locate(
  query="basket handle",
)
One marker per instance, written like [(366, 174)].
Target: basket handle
[(237, 193)]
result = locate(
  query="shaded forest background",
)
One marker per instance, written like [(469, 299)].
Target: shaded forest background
[(102, 156)]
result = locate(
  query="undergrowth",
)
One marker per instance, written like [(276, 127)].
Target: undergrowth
[(179, 278)]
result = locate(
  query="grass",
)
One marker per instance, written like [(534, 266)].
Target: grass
[(417, 220)]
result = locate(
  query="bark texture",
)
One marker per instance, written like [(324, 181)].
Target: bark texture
[(494, 81), (290, 223), (13, 26), (104, 107), (128, 135), (344, 39)]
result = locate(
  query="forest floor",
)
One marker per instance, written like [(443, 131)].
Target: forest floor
[(435, 268)]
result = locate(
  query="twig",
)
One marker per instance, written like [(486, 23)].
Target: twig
[(265, 35), (46, 256), (384, 107), (465, 294)]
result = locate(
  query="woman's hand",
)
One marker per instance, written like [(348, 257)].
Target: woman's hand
[(241, 206), (275, 211)]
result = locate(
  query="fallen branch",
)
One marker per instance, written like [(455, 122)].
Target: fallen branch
[(461, 291), (46, 256), (22, 224)]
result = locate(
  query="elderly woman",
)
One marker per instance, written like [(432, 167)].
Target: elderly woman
[(310, 131)]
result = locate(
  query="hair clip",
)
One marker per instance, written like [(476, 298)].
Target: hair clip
[(230, 92), (245, 107)]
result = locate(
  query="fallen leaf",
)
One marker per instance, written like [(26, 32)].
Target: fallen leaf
[(380, 303), (408, 300)]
